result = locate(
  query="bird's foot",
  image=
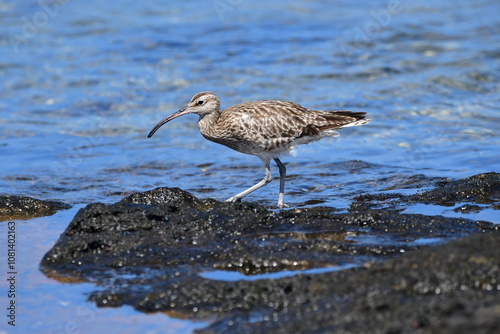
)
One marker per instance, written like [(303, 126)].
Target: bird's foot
[(282, 206), (233, 199)]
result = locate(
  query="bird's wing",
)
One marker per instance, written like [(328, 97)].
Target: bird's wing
[(271, 119)]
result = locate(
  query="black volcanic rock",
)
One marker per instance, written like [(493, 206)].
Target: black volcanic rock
[(481, 189), (23, 207), (152, 250)]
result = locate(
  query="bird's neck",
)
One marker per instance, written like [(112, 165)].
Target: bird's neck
[(208, 124)]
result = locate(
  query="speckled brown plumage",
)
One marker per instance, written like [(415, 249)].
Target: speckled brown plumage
[(264, 128)]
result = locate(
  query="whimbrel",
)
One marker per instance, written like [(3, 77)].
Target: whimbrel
[(266, 129)]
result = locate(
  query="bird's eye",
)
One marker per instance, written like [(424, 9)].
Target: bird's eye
[(200, 102)]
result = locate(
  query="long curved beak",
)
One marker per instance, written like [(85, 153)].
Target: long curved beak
[(181, 112)]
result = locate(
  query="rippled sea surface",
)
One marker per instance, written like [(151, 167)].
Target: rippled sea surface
[(83, 82)]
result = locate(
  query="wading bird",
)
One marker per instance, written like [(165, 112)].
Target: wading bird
[(266, 129)]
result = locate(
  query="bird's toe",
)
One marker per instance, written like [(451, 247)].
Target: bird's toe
[(283, 206)]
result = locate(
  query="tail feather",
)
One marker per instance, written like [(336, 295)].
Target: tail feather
[(342, 119)]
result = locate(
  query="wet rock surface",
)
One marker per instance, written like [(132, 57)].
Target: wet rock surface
[(153, 251), (481, 189), (23, 207)]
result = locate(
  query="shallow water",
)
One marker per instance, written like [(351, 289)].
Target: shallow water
[(224, 275), (84, 82)]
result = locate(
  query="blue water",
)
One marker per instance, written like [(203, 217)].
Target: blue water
[(83, 82), (225, 275)]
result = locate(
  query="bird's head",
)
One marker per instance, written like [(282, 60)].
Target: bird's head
[(202, 104)]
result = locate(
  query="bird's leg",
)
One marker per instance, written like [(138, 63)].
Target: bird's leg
[(281, 198), (262, 183)]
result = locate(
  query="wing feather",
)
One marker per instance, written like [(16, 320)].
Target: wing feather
[(273, 124)]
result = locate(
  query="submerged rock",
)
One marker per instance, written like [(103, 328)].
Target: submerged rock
[(481, 189), (23, 207), (152, 250)]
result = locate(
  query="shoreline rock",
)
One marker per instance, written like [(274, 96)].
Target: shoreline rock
[(23, 207), (150, 250)]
